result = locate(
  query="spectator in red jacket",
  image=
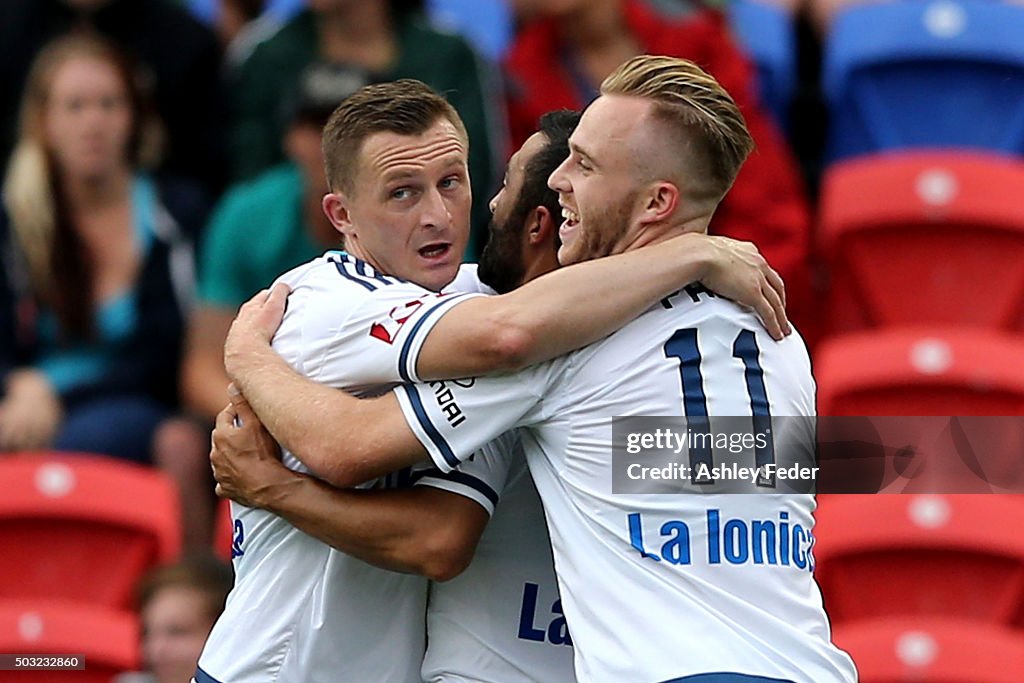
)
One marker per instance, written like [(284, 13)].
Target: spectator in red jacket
[(564, 50)]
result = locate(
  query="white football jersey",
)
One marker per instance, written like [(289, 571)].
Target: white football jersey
[(300, 610), (659, 587), (501, 621)]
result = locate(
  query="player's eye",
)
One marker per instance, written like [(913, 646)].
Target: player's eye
[(449, 182)]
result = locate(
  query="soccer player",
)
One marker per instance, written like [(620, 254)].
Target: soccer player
[(361, 319), (662, 587), (499, 620)]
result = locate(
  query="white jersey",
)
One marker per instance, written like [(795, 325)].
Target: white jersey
[(501, 621), (660, 587), (300, 610)]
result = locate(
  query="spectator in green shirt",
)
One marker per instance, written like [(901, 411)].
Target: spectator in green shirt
[(389, 40)]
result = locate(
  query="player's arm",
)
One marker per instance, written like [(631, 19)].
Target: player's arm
[(349, 441), (419, 530), (580, 304), (204, 380)]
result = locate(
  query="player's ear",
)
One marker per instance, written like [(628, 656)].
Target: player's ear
[(540, 226), (335, 205), (660, 202)]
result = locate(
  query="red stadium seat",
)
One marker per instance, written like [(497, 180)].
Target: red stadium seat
[(223, 531), (937, 650), (924, 238), (108, 639), (82, 527), (921, 372), (914, 555)]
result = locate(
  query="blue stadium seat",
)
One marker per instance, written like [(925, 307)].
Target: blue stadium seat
[(926, 73), (487, 24), (767, 35)]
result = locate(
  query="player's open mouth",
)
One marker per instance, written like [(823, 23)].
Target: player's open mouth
[(572, 218), (569, 224), (435, 251)]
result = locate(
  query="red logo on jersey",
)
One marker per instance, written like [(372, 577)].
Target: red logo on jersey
[(387, 328)]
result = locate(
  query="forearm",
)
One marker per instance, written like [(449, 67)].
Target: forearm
[(561, 311), (343, 439), (398, 530)]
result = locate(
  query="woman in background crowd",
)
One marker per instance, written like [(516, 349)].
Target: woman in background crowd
[(98, 269)]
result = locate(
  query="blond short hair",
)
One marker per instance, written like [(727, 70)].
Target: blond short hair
[(694, 105)]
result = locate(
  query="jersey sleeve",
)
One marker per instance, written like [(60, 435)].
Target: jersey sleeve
[(454, 418), (481, 477), (357, 328)]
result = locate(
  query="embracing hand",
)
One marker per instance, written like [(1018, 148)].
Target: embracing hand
[(245, 458), (253, 328), (739, 272)]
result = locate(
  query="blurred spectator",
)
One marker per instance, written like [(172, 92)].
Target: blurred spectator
[(179, 56), (178, 605), (241, 25), (97, 271), (262, 228), (389, 40), (562, 54)]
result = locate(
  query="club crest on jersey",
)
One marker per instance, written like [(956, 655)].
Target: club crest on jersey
[(387, 329)]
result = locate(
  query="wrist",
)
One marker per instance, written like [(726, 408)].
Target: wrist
[(242, 358), (700, 252), (273, 497)]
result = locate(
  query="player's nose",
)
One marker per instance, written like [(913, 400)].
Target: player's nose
[(558, 180)]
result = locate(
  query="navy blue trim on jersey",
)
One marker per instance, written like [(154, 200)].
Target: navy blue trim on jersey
[(364, 274), (363, 266), (435, 436), (340, 266), (725, 677), (403, 357), (203, 677), (460, 477)]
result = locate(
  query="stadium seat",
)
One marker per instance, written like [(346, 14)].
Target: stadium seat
[(921, 237), (921, 371), (107, 639), (911, 650), (766, 32), (888, 556), (936, 73), (83, 527), (223, 531)]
